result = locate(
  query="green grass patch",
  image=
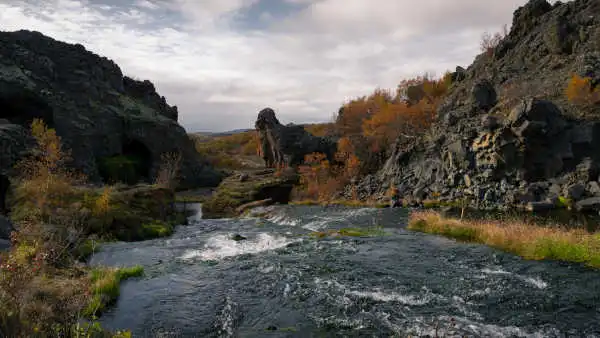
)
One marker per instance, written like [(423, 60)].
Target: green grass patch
[(105, 287), (86, 249), (563, 202), (350, 232)]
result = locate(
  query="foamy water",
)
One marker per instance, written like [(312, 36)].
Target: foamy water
[(221, 246), (535, 281)]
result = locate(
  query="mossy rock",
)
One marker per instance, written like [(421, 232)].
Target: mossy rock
[(259, 185)]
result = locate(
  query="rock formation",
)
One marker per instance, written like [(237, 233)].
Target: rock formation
[(506, 134), (287, 145), (98, 113)]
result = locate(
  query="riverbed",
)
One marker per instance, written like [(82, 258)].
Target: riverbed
[(283, 282)]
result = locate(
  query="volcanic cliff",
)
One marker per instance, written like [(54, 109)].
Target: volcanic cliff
[(507, 135), (99, 113)]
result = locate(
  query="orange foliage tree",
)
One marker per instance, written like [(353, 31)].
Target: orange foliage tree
[(367, 127), (372, 123), (581, 92)]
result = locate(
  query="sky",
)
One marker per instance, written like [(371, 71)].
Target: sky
[(222, 61)]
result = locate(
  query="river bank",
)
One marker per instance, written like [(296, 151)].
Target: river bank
[(528, 240)]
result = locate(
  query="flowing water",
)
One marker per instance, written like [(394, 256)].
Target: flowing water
[(281, 282)]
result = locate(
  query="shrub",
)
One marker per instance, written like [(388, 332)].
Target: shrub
[(120, 168), (489, 42), (169, 170), (42, 290), (581, 92)]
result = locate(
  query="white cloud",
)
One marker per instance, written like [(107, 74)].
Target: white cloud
[(304, 65)]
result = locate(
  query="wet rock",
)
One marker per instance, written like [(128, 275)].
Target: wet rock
[(238, 237)]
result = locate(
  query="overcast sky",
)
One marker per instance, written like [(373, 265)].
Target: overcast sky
[(221, 61)]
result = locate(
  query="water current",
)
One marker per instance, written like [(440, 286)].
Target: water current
[(282, 282)]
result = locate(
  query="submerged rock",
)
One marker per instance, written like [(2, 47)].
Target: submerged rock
[(238, 237)]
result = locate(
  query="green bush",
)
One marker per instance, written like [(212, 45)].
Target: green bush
[(120, 168)]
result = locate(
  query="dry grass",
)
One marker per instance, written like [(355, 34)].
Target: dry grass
[(229, 151), (524, 239)]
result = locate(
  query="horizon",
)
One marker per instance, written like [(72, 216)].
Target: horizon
[(303, 58)]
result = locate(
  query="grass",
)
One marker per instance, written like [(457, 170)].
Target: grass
[(527, 240), (351, 232), (105, 287)]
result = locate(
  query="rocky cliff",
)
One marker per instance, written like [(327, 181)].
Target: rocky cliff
[(99, 113), (287, 145), (506, 135)]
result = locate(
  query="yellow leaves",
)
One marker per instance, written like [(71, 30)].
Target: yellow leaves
[(102, 203), (579, 91)]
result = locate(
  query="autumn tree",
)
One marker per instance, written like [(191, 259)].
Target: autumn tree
[(489, 42), (580, 91)]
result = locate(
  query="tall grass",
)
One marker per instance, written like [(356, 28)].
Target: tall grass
[(527, 240)]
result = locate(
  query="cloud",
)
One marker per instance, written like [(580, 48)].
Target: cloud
[(220, 61)]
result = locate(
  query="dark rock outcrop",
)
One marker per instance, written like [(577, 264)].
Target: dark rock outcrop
[(287, 145), (96, 111), (506, 134)]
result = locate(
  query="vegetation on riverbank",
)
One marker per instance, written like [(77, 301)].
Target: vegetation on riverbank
[(350, 232), (530, 241), (45, 290)]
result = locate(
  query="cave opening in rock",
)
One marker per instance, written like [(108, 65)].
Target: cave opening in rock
[(130, 167), (278, 194), (4, 185), (23, 107)]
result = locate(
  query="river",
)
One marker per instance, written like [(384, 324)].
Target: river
[(281, 282)]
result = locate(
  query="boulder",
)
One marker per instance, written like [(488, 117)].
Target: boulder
[(588, 204)]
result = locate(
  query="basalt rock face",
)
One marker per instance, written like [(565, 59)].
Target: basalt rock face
[(287, 145), (96, 111), (506, 135)]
